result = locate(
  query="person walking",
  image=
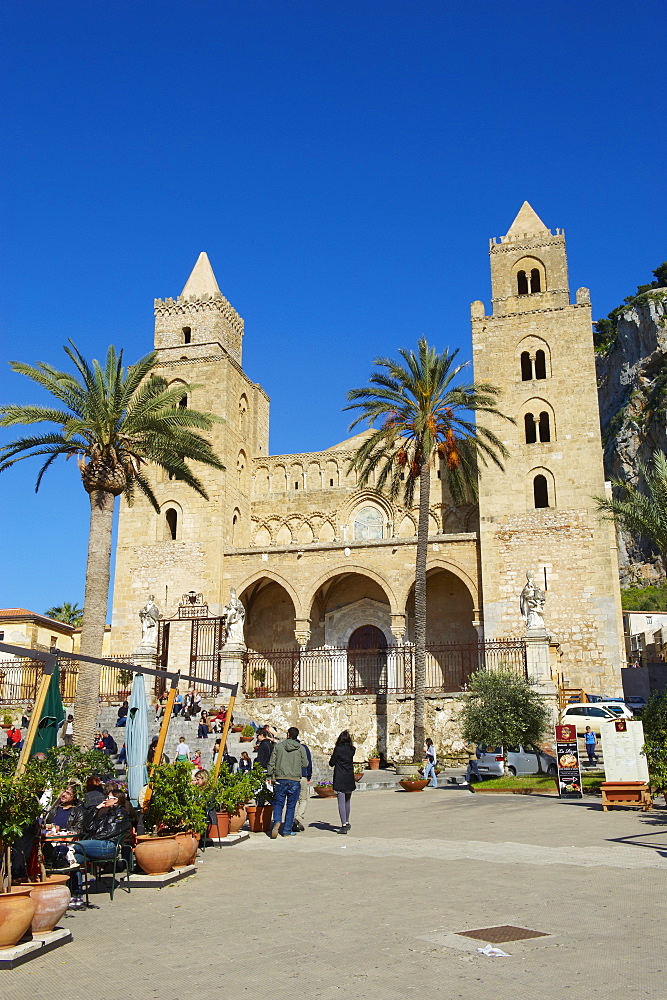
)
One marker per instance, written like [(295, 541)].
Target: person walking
[(182, 750), (67, 731), (288, 760), (263, 750), (343, 777), (431, 761), (473, 767), (304, 793), (590, 739)]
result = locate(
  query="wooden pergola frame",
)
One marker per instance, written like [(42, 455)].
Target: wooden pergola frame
[(51, 658)]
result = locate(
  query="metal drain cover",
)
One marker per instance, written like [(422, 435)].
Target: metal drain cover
[(502, 933)]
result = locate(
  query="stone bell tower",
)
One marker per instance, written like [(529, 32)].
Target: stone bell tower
[(198, 338), (539, 515)]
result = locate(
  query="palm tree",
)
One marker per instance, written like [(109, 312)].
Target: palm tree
[(423, 417), (642, 514), (114, 421), (66, 612)]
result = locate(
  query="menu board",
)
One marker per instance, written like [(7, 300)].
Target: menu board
[(567, 757), (622, 743)]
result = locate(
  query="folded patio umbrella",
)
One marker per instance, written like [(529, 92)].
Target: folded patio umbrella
[(52, 718), (136, 739)]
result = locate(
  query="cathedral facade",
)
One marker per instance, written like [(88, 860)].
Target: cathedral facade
[(320, 563)]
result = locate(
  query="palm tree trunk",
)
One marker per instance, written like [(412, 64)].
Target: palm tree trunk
[(420, 607), (98, 573)]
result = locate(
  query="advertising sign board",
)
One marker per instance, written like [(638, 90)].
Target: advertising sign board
[(569, 769)]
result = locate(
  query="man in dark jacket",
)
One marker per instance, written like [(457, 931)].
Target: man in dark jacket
[(286, 766), (264, 750), (304, 793), (110, 746)]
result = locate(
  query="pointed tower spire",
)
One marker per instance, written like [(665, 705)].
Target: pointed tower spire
[(202, 280), (527, 223)]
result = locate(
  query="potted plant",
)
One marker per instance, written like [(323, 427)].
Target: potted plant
[(358, 771), (414, 783), (325, 789), (125, 681), (374, 759), (247, 734), (175, 817), (61, 767), (260, 815), (259, 675), (19, 808), (231, 795)]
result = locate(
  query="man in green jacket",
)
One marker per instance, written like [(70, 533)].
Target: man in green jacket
[(287, 761)]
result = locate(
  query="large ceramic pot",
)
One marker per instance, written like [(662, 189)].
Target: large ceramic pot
[(324, 791), (414, 786), (222, 829), (187, 849), (237, 819), (246, 739), (156, 855), (374, 763), (17, 909), (260, 818), (51, 899)]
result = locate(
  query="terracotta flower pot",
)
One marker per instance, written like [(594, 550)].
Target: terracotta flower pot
[(237, 819), (260, 818), (237, 729), (187, 849), (17, 909), (414, 786), (374, 763), (51, 899), (222, 829), (324, 791), (246, 739), (358, 775), (156, 855)]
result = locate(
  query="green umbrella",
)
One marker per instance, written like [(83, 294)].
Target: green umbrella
[(52, 718)]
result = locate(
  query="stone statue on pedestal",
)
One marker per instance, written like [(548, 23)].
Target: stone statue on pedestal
[(234, 613), (149, 616), (531, 603)]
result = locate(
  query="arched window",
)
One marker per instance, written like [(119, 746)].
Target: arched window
[(243, 412), (183, 402), (236, 524), (187, 335), (526, 367), (368, 523), (522, 283), (535, 281), (545, 430), (540, 491), (171, 524), (529, 427), (540, 364)]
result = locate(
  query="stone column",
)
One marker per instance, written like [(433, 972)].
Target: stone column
[(538, 659), (398, 627), (302, 631)]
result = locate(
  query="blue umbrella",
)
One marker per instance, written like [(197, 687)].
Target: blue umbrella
[(136, 739)]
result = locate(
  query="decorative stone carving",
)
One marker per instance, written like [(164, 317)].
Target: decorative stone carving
[(234, 614), (149, 617), (531, 603)]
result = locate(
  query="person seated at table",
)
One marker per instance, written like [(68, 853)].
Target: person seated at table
[(203, 729), (245, 764), (94, 791), (122, 714), (66, 814), (103, 825)]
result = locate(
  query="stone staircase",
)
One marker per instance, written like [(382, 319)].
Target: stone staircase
[(180, 727)]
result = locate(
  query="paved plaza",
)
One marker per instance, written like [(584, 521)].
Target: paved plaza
[(375, 915)]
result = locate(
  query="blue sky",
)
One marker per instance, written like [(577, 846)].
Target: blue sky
[(343, 164)]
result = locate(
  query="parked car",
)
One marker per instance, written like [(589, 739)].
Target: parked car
[(520, 760), (586, 714), (620, 708), (636, 703)]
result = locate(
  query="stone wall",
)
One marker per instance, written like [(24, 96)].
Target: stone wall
[(385, 723)]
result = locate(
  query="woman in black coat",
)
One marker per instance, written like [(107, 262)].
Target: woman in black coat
[(343, 777)]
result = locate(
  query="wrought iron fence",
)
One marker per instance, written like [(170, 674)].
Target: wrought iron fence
[(19, 679), (329, 671)]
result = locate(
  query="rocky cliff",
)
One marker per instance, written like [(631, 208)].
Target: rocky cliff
[(632, 388)]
